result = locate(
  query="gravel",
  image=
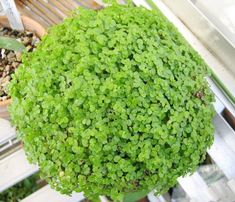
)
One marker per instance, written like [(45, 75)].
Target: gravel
[(10, 60)]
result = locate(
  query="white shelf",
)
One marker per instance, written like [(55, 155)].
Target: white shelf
[(231, 184), (50, 195), (15, 168), (225, 132), (223, 156), (6, 131), (153, 198), (222, 190), (196, 188)]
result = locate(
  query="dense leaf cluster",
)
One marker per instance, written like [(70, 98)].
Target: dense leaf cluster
[(113, 101)]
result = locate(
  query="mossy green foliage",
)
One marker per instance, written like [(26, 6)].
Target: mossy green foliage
[(112, 102)]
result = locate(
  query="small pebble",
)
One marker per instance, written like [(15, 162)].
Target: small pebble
[(3, 98), (19, 40), (18, 56), (10, 55), (29, 34), (7, 68), (15, 64), (3, 55), (29, 48), (26, 40)]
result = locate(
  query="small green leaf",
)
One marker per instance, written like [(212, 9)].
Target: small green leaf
[(11, 44)]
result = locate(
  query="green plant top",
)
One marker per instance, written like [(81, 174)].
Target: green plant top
[(112, 102)]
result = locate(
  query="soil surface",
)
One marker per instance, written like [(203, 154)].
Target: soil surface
[(10, 60)]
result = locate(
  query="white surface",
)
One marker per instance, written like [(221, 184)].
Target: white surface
[(222, 191), (222, 14), (219, 107), (103, 199), (196, 188), (1, 10), (231, 184), (47, 194), (225, 131), (153, 198), (223, 156), (15, 168), (6, 131)]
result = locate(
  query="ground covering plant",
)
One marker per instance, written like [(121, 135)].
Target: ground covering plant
[(113, 102)]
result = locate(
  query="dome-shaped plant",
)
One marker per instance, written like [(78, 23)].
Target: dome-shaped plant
[(112, 102)]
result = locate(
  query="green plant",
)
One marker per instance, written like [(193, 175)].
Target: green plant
[(20, 190), (11, 44), (113, 102)]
